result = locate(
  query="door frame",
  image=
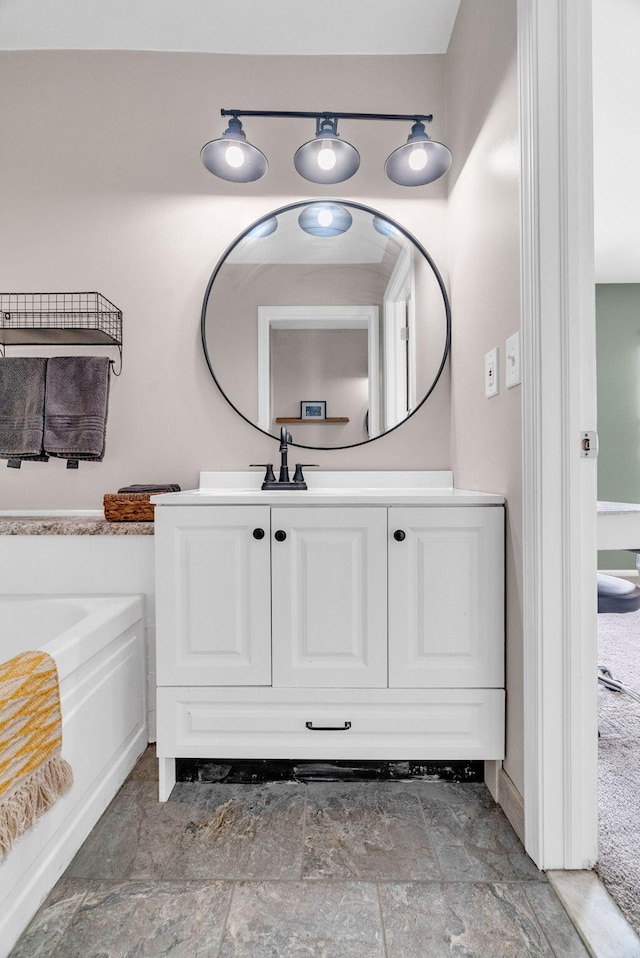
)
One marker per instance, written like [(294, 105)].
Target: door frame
[(399, 312), (559, 402)]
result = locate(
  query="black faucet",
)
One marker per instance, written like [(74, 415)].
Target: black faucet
[(283, 481), (285, 438)]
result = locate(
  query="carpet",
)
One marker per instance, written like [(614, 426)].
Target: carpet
[(619, 764)]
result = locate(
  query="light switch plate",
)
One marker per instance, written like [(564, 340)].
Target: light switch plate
[(512, 361), (491, 382)]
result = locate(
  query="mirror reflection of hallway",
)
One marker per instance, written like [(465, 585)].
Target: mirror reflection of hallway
[(329, 365)]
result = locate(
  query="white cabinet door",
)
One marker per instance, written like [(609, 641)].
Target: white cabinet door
[(446, 597), (329, 597), (213, 595)]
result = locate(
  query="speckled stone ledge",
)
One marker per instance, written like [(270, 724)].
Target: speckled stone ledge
[(71, 526)]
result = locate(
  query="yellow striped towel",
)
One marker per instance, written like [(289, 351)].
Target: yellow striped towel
[(33, 773)]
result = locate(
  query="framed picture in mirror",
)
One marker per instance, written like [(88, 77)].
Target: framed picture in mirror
[(315, 409)]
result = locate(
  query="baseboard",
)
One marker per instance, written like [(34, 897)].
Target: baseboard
[(491, 772), (506, 795)]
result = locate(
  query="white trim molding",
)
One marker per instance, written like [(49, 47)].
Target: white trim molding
[(559, 489), (506, 795), (399, 313)]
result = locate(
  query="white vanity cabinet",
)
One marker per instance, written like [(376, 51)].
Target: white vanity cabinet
[(358, 627)]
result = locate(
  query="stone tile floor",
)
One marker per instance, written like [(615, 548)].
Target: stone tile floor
[(417, 869)]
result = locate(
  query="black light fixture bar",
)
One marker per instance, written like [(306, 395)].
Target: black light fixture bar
[(330, 115), (327, 158)]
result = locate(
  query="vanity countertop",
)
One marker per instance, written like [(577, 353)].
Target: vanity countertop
[(331, 488), (243, 488), (70, 525)]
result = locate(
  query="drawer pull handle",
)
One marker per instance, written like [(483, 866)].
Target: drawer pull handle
[(258, 533), (399, 535), (281, 535), (328, 728)]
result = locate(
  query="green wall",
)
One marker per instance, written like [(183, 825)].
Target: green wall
[(618, 358)]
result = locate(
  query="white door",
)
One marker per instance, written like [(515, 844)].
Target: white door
[(329, 574), (213, 595), (446, 620)]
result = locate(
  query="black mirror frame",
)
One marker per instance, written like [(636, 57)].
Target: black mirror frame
[(365, 209)]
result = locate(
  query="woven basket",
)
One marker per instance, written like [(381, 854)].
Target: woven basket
[(128, 507)]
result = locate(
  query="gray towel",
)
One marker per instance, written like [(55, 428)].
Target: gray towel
[(22, 390), (75, 409), (167, 487)]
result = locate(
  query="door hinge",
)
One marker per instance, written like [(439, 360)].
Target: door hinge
[(589, 445), (404, 334)]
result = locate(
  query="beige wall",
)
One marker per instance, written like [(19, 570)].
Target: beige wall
[(101, 188), (326, 364), (484, 264)]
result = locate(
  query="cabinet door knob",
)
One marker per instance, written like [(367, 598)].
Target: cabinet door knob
[(399, 535), (258, 533), (281, 535)]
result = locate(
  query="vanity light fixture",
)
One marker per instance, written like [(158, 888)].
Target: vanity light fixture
[(231, 157), (327, 158), (420, 160), (384, 227), (266, 228), (325, 219)]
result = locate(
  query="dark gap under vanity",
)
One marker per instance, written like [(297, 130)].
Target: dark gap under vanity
[(257, 771)]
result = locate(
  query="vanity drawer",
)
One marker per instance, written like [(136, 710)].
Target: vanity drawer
[(376, 724)]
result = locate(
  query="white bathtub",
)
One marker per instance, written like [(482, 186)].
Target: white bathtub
[(98, 644)]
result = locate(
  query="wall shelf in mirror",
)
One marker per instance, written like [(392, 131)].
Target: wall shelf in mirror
[(313, 422)]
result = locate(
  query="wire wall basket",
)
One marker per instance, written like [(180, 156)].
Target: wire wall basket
[(59, 319)]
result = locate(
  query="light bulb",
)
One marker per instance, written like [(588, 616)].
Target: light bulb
[(326, 158), (234, 156), (418, 158), (325, 218)]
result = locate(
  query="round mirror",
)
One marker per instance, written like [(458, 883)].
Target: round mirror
[(329, 317)]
